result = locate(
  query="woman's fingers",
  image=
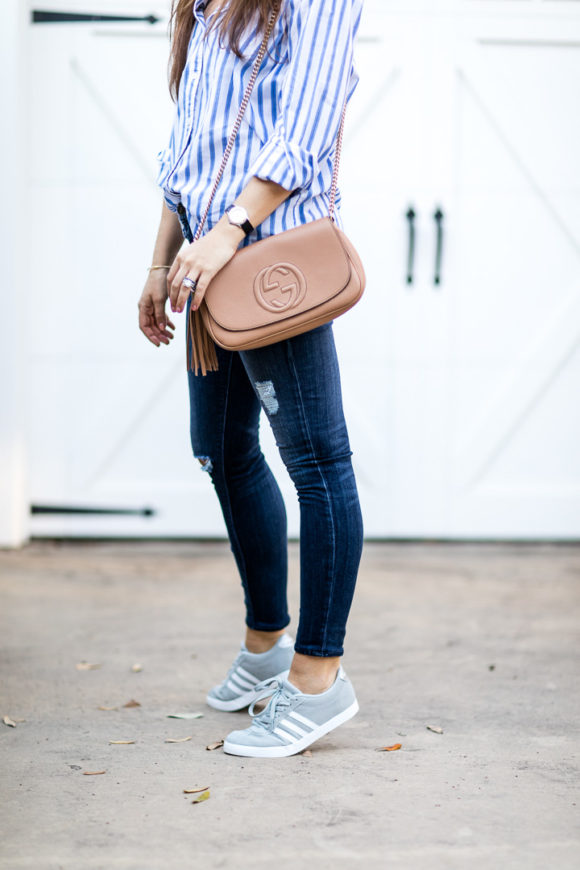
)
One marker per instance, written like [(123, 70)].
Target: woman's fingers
[(176, 286), (146, 324), (153, 323), (172, 291), (200, 289), (180, 291), (159, 308), (200, 261), (186, 290), (164, 335), (197, 295)]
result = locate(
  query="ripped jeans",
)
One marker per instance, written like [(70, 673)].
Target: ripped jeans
[(297, 384)]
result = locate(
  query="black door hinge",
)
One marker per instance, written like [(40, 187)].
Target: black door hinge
[(44, 16)]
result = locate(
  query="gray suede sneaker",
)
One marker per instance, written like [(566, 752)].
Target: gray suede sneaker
[(248, 670), (293, 720)]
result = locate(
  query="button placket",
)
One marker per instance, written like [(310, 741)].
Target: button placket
[(189, 99), (190, 96), (193, 87)]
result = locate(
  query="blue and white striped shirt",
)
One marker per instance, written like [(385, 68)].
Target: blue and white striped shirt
[(288, 134)]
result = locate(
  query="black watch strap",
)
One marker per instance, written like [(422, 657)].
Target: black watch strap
[(243, 223)]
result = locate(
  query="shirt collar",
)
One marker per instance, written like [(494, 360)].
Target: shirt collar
[(199, 14), (198, 8)]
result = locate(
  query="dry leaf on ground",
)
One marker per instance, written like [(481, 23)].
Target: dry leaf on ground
[(107, 708), (434, 728), (136, 668), (93, 772), (8, 721), (121, 741), (185, 715), (201, 794), (177, 739), (217, 745), (87, 666), (307, 753), (389, 748), (132, 703)]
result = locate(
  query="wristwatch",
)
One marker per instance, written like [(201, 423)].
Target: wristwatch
[(238, 216)]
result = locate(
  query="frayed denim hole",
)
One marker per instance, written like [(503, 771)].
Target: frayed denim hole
[(267, 396)]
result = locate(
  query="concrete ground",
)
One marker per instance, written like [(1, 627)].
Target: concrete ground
[(480, 640)]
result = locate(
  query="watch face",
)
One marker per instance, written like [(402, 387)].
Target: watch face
[(237, 214)]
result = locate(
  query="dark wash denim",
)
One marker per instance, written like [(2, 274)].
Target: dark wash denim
[(297, 383)]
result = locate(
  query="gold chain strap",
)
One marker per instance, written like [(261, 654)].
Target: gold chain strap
[(234, 133)]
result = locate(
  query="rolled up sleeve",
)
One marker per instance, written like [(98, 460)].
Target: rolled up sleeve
[(317, 79)]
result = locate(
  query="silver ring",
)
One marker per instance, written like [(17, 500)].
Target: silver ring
[(189, 282)]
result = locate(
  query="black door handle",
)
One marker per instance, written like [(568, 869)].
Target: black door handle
[(439, 248), (411, 254), (44, 16)]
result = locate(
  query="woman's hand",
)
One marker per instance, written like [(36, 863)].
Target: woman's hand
[(153, 322), (201, 261)]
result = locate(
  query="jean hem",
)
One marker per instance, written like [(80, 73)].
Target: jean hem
[(267, 626), (320, 653)]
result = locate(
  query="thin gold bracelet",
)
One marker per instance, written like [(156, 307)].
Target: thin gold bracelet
[(150, 268)]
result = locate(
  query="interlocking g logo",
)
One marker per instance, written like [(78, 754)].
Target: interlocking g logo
[(280, 287)]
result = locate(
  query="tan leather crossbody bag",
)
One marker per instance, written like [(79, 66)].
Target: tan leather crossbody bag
[(280, 286)]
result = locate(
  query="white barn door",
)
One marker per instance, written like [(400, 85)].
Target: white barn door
[(470, 421), (108, 422), (513, 181), (393, 344)]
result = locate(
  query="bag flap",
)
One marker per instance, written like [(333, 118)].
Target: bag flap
[(284, 274)]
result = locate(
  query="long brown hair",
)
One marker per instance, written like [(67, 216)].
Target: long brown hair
[(238, 15)]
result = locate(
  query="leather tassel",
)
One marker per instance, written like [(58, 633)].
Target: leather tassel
[(202, 348)]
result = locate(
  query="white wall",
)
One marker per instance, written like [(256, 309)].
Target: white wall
[(13, 278)]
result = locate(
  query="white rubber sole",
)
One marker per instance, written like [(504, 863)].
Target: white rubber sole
[(242, 700), (292, 748)]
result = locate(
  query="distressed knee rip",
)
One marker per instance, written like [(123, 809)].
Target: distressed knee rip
[(205, 462), (267, 395)]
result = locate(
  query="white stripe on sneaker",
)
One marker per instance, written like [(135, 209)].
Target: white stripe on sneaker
[(292, 728), (242, 682), (233, 687), (303, 720), (241, 691), (244, 673), (290, 738)]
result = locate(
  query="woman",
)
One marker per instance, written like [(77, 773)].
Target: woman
[(278, 176)]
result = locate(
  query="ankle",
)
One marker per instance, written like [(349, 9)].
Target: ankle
[(262, 641), (313, 674)]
